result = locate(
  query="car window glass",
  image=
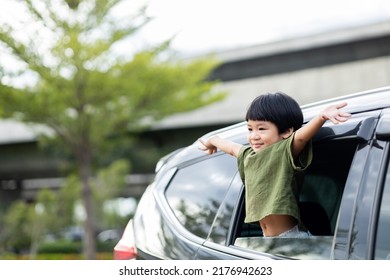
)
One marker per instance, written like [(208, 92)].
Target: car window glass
[(316, 247), (220, 231), (319, 203), (382, 247), (196, 192)]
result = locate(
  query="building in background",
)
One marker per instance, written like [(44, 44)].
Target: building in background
[(308, 68)]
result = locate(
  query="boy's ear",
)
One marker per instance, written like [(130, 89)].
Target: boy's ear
[(287, 133)]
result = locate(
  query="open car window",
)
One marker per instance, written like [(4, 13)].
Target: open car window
[(319, 204)]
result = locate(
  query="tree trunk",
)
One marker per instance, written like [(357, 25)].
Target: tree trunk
[(86, 194)]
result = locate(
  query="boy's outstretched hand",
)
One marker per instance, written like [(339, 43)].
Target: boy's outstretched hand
[(335, 115), (211, 146), (207, 147)]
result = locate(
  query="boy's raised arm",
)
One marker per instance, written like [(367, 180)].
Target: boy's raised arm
[(307, 132), (214, 143)]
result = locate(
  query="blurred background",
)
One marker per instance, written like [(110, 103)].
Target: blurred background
[(94, 92)]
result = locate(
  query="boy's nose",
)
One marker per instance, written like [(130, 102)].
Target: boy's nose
[(255, 135)]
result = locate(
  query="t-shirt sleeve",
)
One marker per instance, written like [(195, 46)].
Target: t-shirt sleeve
[(305, 157), (240, 161)]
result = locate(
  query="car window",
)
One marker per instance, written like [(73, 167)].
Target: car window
[(196, 191), (220, 232), (382, 247), (319, 203)]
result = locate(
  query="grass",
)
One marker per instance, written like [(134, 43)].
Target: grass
[(62, 250), (55, 256)]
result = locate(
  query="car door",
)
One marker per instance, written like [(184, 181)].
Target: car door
[(379, 242), (369, 219), (190, 202), (335, 151), (219, 243)]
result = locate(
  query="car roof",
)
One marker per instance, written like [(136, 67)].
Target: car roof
[(357, 103), (366, 101)]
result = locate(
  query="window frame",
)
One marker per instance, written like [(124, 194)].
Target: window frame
[(356, 140), (382, 188)]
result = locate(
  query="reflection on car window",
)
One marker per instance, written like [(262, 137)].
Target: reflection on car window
[(317, 247), (196, 192), (382, 248), (220, 232)]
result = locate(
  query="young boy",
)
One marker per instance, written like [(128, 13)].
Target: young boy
[(272, 166)]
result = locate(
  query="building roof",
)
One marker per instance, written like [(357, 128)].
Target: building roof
[(328, 38), (14, 132), (243, 81)]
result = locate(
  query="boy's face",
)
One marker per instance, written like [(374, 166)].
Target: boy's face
[(262, 134)]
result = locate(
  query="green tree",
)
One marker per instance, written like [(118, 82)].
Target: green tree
[(83, 90), (107, 185), (25, 225), (15, 233), (42, 218)]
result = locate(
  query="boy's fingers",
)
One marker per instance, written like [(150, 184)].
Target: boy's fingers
[(341, 105), (345, 115), (334, 120), (201, 141), (204, 148), (342, 119)]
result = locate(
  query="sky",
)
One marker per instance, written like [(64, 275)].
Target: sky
[(202, 26), (207, 25)]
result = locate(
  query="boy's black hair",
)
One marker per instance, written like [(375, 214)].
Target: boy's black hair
[(278, 108)]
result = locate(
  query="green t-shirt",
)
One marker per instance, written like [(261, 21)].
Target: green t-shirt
[(272, 179)]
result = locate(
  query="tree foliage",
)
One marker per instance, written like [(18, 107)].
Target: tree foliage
[(26, 225), (23, 227), (83, 89)]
